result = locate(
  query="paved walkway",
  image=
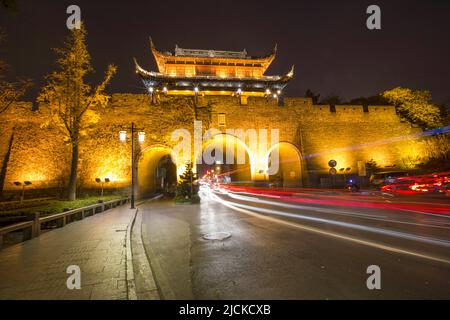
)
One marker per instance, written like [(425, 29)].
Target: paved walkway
[(36, 269)]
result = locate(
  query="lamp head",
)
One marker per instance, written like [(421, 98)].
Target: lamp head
[(141, 136), (123, 136)]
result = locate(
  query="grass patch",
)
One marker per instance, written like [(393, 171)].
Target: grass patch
[(57, 206)]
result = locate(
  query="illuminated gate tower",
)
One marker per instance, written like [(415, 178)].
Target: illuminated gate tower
[(211, 72)]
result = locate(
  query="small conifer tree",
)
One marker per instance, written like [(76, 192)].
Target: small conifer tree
[(186, 190)]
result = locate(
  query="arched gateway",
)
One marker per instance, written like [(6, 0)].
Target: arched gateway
[(157, 170)]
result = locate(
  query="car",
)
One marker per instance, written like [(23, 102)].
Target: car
[(445, 189), (380, 179), (425, 183)]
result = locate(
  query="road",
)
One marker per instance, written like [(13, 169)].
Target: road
[(308, 245)]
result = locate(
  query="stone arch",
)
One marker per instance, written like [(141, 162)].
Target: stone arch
[(288, 173), (157, 166), (236, 161)]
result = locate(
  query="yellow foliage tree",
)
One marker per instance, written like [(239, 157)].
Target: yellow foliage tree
[(72, 103), (415, 106), (10, 92)]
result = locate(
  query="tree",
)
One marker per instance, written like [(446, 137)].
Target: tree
[(72, 104), (186, 191), (332, 100), (10, 92), (10, 5), (377, 100), (5, 162), (315, 97), (415, 106), (444, 107), (371, 166), (437, 152)]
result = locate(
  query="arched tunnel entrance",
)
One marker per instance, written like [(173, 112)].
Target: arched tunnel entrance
[(228, 157), (157, 171), (288, 171)]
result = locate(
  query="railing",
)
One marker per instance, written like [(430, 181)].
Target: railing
[(32, 229)]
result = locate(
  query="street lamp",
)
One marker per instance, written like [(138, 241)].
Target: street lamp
[(141, 139), (98, 180), (344, 172), (123, 136), (24, 184), (141, 136)]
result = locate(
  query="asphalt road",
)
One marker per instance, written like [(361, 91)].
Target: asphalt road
[(309, 245)]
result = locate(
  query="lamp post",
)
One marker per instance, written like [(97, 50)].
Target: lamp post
[(344, 172), (106, 180), (24, 184), (141, 139)]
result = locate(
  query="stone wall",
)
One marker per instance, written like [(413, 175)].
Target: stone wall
[(346, 134)]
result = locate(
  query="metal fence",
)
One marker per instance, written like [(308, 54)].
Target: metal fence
[(32, 229)]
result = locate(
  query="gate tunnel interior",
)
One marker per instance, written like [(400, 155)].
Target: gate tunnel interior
[(226, 156), (157, 171), (288, 171)]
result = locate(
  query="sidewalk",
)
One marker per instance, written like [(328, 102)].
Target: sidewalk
[(36, 269)]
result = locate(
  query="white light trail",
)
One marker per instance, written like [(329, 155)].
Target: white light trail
[(245, 209), (334, 211)]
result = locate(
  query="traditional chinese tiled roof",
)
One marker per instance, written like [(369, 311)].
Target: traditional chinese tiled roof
[(180, 52), (212, 70)]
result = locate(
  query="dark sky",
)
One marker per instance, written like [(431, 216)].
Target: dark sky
[(328, 41)]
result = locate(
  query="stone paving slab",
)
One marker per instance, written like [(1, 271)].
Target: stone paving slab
[(36, 269)]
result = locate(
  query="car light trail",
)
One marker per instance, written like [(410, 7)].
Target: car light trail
[(331, 211), (292, 197), (292, 206), (350, 225), (326, 233)]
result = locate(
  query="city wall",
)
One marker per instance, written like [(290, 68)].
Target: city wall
[(318, 133)]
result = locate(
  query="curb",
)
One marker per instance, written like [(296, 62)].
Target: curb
[(131, 284), (148, 286)]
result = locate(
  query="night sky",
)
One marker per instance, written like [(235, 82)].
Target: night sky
[(327, 41)]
